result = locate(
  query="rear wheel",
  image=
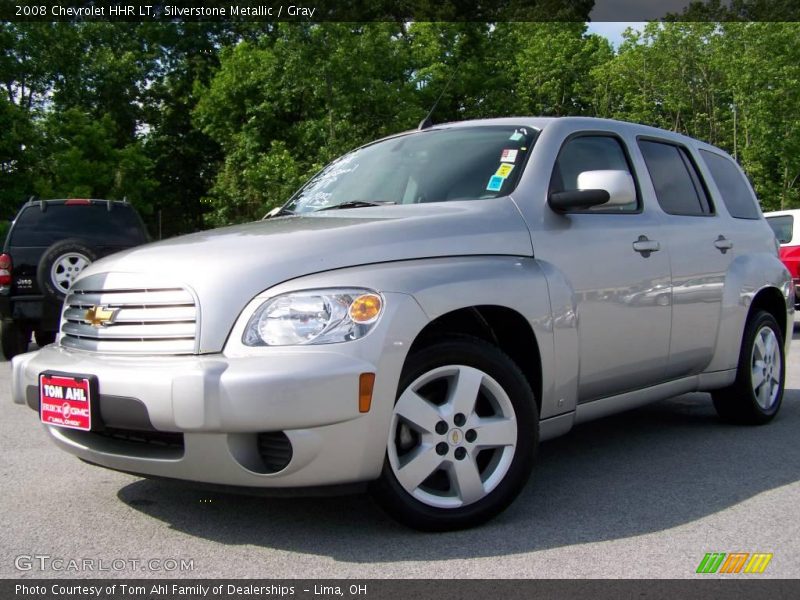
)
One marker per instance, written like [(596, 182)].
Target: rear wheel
[(14, 338), (756, 395), (462, 438)]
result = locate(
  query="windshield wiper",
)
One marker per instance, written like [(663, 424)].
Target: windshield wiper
[(277, 212), (358, 204)]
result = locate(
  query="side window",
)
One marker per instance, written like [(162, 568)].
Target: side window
[(590, 153), (783, 227), (678, 187), (736, 191)]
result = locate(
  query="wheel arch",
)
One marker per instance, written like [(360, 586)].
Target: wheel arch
[(771, 300), (753, 282), (499, 325)]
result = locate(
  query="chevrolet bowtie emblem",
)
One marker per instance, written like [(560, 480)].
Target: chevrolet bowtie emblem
[(100, 316)]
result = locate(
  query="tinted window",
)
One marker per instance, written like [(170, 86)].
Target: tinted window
[(93, 223), (735, 189), (589, 153), (462, 163), (782, 226), (675, 179)]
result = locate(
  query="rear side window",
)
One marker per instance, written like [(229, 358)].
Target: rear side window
[(736, 192), (675, 179), (93, 223), (782, 226)]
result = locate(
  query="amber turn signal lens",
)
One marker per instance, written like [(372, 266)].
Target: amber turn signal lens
[(365, 383), (365, 309)]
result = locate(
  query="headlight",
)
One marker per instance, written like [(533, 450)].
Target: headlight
[(313, 317)]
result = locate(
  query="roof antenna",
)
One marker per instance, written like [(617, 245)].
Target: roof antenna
[(427, 122)]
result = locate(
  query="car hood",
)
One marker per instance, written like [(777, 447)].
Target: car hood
[(227, 267)]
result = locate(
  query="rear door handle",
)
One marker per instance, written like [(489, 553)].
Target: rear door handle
[(722, 244), (644, 246)]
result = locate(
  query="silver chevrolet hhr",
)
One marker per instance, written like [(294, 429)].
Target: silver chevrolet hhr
[(422, 313)]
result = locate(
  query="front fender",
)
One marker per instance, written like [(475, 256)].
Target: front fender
[(444, 285)]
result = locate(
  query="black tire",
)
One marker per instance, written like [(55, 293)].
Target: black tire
[(65, 250), (14, 338), (464, 355), (746, 402), (43, 338)]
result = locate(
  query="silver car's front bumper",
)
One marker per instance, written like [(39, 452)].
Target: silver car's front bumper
[(221, 404)]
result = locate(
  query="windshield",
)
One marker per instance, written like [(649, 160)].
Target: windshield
[(463, 163)]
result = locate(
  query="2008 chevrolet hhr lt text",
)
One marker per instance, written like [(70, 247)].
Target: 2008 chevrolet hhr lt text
[(422, 313)]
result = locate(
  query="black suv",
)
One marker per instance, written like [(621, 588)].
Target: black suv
[(48, 245)]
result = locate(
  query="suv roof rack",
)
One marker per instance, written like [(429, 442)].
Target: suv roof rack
[(43, 203)]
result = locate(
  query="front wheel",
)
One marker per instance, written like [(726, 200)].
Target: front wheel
[(462, 437), (755, 397)]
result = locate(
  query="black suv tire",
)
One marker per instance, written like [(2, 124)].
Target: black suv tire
[(14, 338), (43, 338), (61, 252)]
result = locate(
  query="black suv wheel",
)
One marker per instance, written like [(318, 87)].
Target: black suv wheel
[(61, 264)]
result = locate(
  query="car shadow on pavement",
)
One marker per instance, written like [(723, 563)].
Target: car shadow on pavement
[(639, 472)]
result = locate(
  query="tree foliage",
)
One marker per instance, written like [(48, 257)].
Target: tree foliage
[(211, 123), (734, 85)]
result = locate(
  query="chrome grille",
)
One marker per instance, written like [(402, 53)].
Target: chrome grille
[(145, 321)]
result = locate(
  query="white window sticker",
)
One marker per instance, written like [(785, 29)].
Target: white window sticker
[(509, 155)]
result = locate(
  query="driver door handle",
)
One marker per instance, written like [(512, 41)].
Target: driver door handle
[(722, 244), (645, 246)]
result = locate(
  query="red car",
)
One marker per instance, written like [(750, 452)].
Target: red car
[(786, 225)]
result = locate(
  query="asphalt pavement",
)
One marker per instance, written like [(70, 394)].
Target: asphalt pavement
[(643, 494)]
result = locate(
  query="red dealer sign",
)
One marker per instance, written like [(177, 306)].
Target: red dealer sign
[(65, 401)]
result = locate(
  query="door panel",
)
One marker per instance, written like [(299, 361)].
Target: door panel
[(698, 279), (622, 299), (701, 250), (618, 267)]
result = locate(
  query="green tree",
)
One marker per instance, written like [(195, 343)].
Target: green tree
[(84, 162), (19, 137), (733, 84), (285, 104), (548, 68)]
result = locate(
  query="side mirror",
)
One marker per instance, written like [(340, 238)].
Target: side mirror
[(595, 188)]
